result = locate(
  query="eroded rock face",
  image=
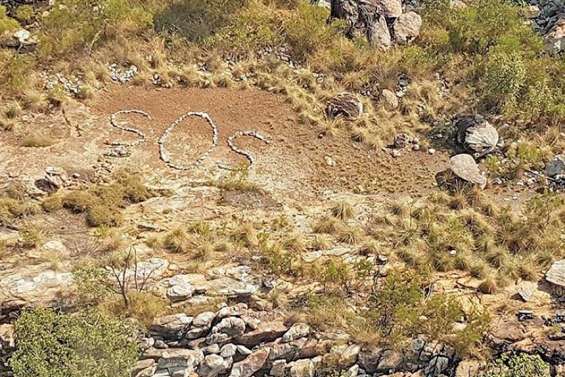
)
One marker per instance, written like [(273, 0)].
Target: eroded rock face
[(35, 286), (555, 39)]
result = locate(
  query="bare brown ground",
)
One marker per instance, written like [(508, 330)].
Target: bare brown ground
[(294, 161)]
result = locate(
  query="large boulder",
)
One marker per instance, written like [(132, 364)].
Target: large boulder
[(231, 326), (214, 365), (380, 34), (476, 135), (465, 167), (172, 326), (407, 27), (266, 332), (179, 361)]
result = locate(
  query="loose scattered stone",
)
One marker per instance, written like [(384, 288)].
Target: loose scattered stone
[(524, 315), (526, 289), (122, 74), (298, 330), (402, 140)]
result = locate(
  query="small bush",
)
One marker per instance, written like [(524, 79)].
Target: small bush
[(523, 365), (85, 344), (399, 311), (15, 71), (24, 13), (6, 23), (177, 241), (37, 141), (254, 28), (196, 20), (306, 31), (81, 25), (102, 203)]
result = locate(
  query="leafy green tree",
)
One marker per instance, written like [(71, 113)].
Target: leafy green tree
[(86, 344)]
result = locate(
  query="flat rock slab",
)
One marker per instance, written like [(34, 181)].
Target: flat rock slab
[(37, 287)]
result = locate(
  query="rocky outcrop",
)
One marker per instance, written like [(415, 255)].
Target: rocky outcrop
[(238, 341), (381, 21)]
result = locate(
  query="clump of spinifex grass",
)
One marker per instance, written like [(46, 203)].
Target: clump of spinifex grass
[(102, 203), (456, 232)]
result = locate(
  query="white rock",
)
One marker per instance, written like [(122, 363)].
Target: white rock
[(407, 27), (556, 274), (297, 331)]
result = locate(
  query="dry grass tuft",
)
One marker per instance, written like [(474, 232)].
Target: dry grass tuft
[(343, 211), (36, 140)]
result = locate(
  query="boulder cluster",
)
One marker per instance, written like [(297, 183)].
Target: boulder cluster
[(243, 341), (383, 22)]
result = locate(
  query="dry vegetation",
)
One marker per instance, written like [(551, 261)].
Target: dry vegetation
[(494, 64)]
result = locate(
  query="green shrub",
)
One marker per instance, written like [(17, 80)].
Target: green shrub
[(256, 27), (15, 71), (504, 79), (400, 311), (489, 45), (306, 31), (6, 23), (83, 24), (197, 20), (523, 365), (86, 344), (24, 13)]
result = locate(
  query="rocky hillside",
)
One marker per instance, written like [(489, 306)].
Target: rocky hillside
[(282, 188)]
